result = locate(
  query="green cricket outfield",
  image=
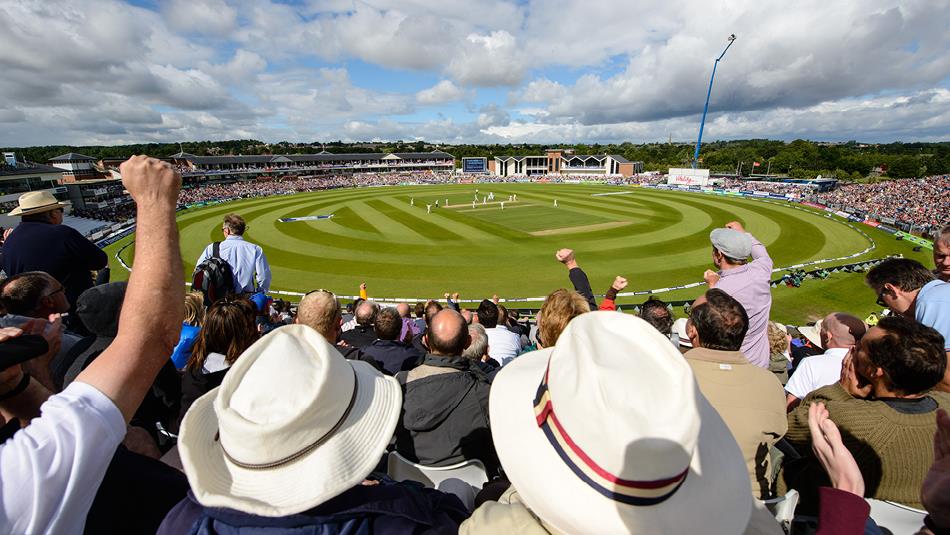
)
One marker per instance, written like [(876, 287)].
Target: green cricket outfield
[(386, 237)]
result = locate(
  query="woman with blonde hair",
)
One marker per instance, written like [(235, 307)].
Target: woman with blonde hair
[(190, 329), (559, 308)]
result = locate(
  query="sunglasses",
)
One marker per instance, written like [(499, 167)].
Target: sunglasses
[(880, 299)]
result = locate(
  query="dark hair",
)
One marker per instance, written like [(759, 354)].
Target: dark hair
[(904, 273), (911, 354), (450, 342), (21, 293), (419, 309), (229, 328), (388, 324), (235, 224), (721, 322), (432, 309), (488, 314), (502, 314), (656, 313)]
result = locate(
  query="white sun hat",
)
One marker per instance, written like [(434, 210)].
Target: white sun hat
[(813, 332), (292, 425), (35, 202), (679, 329), (607, 432)]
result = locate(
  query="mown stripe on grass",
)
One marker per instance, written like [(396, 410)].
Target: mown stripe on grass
[(418, 225), (347, 217)]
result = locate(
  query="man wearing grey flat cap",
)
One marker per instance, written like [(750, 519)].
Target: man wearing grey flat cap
[(746, 281)]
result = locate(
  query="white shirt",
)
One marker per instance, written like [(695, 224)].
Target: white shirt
[(816, 371), (503, 345), (52, 468), (245, 259)]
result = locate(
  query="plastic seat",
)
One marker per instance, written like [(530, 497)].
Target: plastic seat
[(895, 518), (462, 479), (783, 507), (471, 471)]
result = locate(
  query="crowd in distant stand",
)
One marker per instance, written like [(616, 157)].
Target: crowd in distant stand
[(263, 188), (923, 202)]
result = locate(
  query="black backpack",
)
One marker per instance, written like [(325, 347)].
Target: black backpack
[(214, 276)]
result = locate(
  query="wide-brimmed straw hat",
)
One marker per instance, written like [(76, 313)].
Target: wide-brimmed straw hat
[(812, 333), (292, 425), (607, 432), (36, 202)]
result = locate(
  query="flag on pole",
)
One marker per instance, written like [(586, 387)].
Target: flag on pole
[(755, 164)]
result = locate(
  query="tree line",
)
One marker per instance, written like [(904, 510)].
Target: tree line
[(799, 158)]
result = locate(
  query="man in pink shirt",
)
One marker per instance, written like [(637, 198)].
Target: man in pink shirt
[(746, 281)]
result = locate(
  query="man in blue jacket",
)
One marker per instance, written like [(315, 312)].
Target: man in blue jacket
[(42, 243)]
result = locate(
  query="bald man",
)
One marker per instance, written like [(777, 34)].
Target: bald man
[(409, 328), (839, 334), (445, 401)]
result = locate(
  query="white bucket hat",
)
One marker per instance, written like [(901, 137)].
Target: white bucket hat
[(292, 425), (679, 330), (36, 202), (813, 332), (607, 432)]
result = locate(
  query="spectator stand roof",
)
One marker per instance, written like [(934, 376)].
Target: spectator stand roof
[(72, 157)]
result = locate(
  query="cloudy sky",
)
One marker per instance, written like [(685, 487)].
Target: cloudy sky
[(545, 71)]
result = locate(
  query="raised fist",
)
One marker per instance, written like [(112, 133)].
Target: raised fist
[(151, 182)]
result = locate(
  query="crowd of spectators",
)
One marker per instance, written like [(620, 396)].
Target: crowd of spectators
[(922, 202), (135, 408), (287, 185)]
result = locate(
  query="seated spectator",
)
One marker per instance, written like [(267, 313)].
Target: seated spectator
[(362, 334), (228, 330), (418, 341), (419, 309), (681, 336), (503, 344), (288, 444), (35, 294), (839, 333), (779, 342), (657, 313), (409, 328), (806, 342), (667, 464), (908, 288), (942, 254), (750, 399), (190, 328), (388, 349), (885, 409), (477, 350), (445, 402), (320, 310), (51, 468), (559, 308), (349, 319)]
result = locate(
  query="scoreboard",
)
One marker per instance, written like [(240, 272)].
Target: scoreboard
[(475, 165)]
